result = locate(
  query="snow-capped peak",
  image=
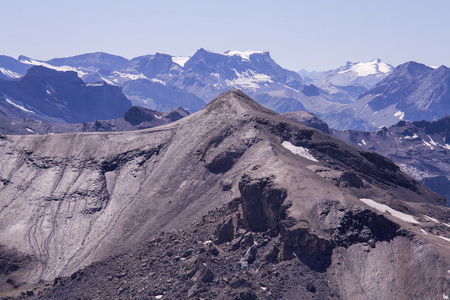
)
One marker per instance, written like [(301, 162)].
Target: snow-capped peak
[(363, 69), (245, 55)]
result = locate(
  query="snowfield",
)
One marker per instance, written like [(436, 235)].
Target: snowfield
[(303, 152), (10, 101), (384, 208)]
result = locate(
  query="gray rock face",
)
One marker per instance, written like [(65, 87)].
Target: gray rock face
[(70, 200)]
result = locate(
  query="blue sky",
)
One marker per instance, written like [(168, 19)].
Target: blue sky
[(315, 34)]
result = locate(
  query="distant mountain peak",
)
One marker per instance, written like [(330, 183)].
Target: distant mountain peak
[(363, 69)]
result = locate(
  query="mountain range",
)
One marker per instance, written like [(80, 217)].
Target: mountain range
[(358, 96), (412, 92), (348, 82), (163, 82), (231, 202)]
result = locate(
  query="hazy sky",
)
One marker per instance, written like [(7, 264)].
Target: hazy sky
[(314, 34)]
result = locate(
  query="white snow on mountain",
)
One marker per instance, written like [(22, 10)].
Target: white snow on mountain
[(384, 208), (248, 79), (130, 76), (10, 73), (303, 152), (33, 62), (180, 60), (17, 105), (245, 55), (369, 68), (399, 114)]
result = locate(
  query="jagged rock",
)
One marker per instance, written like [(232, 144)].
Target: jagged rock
[(211, 248), (250, 256), (350, 179), (187, 253), (261, 202), (311, 288), (247, 240), (272, 254), (225, 232), (206, 274), (298, 239)]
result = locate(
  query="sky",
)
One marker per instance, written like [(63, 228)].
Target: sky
[(313, 35)]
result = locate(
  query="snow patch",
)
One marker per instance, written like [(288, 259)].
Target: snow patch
[(428, 144), (444, 238), (130, 76), (10, 73), (431, 141), (107, 81), (423, 231), (399, 114), (158, 297), (373, 67), (415, 136), (101, 83), (432, 219), (244, 55), (364, 142), (11, 101), (303, 152), (157, 80), (158, 117), (180, 60), (384, 208), (60, 68), (248, 79), (29, 130)]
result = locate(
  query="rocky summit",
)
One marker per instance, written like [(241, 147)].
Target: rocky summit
[(231, 202)]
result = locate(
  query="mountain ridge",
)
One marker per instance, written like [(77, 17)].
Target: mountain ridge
[(106, 193)]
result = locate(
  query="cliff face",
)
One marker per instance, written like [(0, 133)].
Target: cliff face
[(247, 192)]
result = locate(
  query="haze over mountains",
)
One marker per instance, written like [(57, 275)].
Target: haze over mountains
[(231, 202), (360, 96)]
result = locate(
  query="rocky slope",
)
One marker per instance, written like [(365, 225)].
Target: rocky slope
[(252, 205), (419, 148)]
